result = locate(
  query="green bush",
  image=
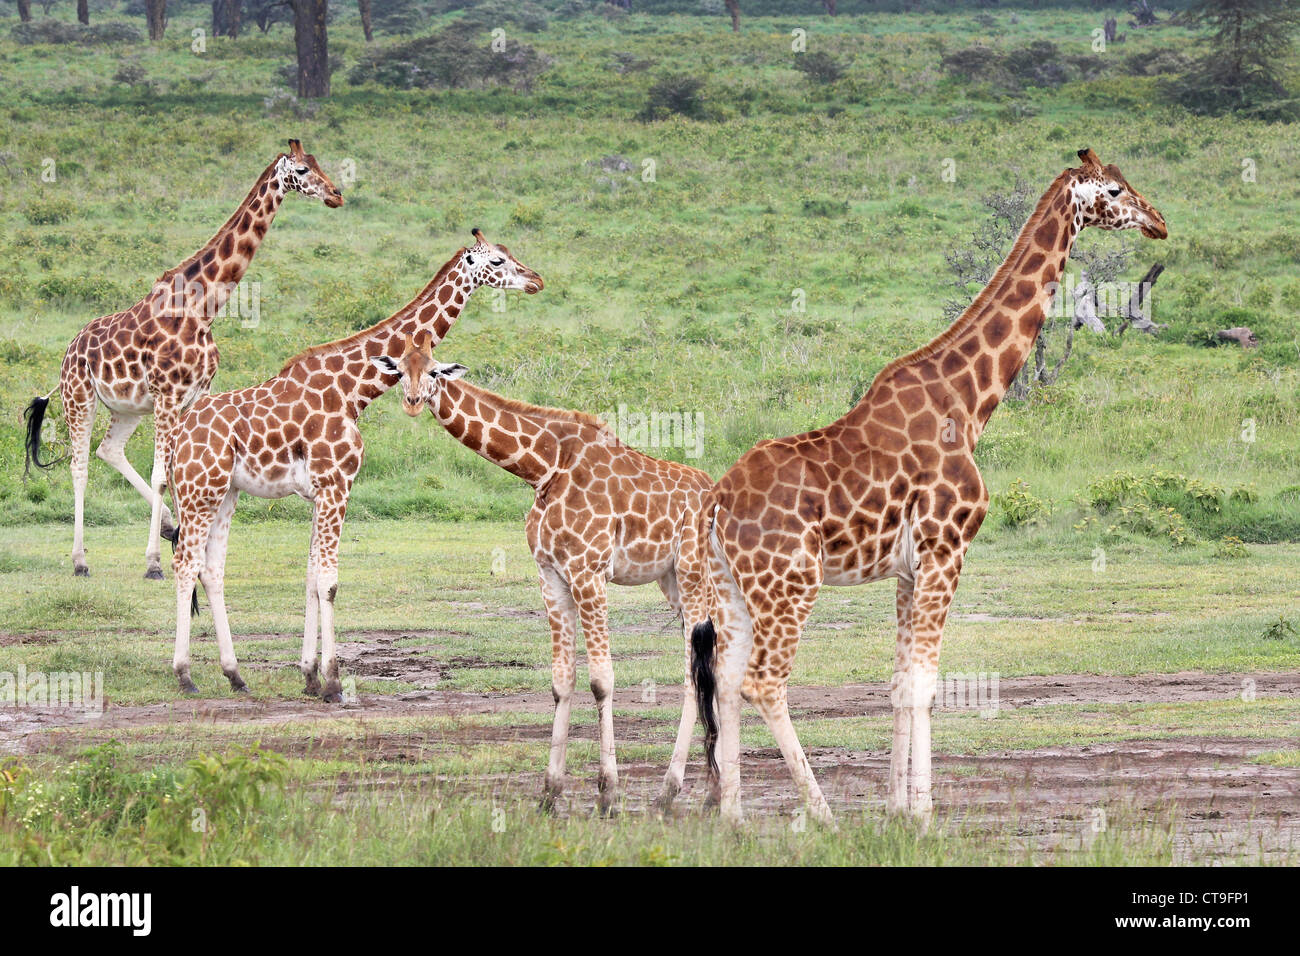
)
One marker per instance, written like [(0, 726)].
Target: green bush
[(676, 94), (1018, 507)]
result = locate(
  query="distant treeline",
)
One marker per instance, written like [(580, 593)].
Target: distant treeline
[(767, 8)]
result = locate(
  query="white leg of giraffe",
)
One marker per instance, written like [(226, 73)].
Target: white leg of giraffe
[(112, 451), (676, 774), (187, 563), (307, 661), (924, 683), (900, 698), (80, 419), (735, 639), (164, 423), (776, 712), (331, 506), (588, 590), (563, 616), (213, 577)]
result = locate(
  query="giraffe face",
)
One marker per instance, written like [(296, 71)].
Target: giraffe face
[(420, 375), (1104, 198), (299, 172), (486, 263)]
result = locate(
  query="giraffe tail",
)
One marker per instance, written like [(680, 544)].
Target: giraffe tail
[(35, 418), (702, 640)]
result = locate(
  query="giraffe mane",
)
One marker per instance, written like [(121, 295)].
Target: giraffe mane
[(544, 413), (343, 343), (990, 291), (228, 224)]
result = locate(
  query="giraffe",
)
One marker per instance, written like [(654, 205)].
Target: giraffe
[(158, 356), (602, 512), (297, 433), (889, 490)]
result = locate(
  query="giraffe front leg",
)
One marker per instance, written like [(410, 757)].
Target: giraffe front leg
[(164, 434), (900, 696), (936, 582), (190, 546), (307, 661), (331, 505), (589, 593), (213, 577), (563, 616)]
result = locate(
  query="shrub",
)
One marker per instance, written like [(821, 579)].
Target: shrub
[(1230, 546), (820, 67), (49, 212), (1018, 507), (452, 57), (676, 93)]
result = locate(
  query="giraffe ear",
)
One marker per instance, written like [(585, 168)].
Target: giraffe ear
[(386, 364), (448, 371)]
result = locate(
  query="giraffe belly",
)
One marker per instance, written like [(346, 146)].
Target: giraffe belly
[(276, 480), (127, 397)]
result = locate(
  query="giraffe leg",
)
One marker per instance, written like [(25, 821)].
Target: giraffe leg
[(112, 451), (307, 661), (589, 593), (676, 775), (80, 418), (563, 616), (331, 506), (936, 582), (191, 545), (213, 577), (900, 748), (164, 433), (735, 638)]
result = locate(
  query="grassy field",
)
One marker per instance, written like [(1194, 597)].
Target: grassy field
[(1146, 523)]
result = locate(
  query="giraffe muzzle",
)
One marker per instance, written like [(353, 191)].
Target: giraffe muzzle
[(1155, 227)]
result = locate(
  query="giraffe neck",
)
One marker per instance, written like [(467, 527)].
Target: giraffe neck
[(201, 285), (979, 355), (343, 368), (513, 435)]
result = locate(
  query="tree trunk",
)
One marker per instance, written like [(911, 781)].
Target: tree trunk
[(313, 47), (226, 16), (155, 12), (83, 12), (733, 7), (364, 5), (25, 11)]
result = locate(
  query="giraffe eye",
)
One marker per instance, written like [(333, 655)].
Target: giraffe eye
[(496, 262), (1114, 191)]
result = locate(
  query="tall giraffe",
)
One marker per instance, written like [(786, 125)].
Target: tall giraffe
[(602, 512), (889, 490), (158, 356), (297, 433)]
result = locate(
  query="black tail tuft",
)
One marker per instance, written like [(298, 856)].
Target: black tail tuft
[(35, 417), (194, 602), (702, 640)]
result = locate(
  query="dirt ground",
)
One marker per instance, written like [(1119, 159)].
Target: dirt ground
[(1053, 798)]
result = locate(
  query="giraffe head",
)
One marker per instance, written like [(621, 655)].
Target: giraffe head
[(299, 172), (1106, 200), (486, 263), (421, 376)]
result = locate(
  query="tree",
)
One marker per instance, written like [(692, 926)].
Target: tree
[(1249, 43), (364, 6), (83, 12), (733, 7), (155, 12), (226, 17), (312, 43), (25, 11)]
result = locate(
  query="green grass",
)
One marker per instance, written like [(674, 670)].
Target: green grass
[(666, 294)]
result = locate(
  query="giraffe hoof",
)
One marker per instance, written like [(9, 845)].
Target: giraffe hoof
[(153, 574), (81, 571), (606, 810), (550, 794), (241, 688), (188, 689), (312, 689), (334, 697)]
